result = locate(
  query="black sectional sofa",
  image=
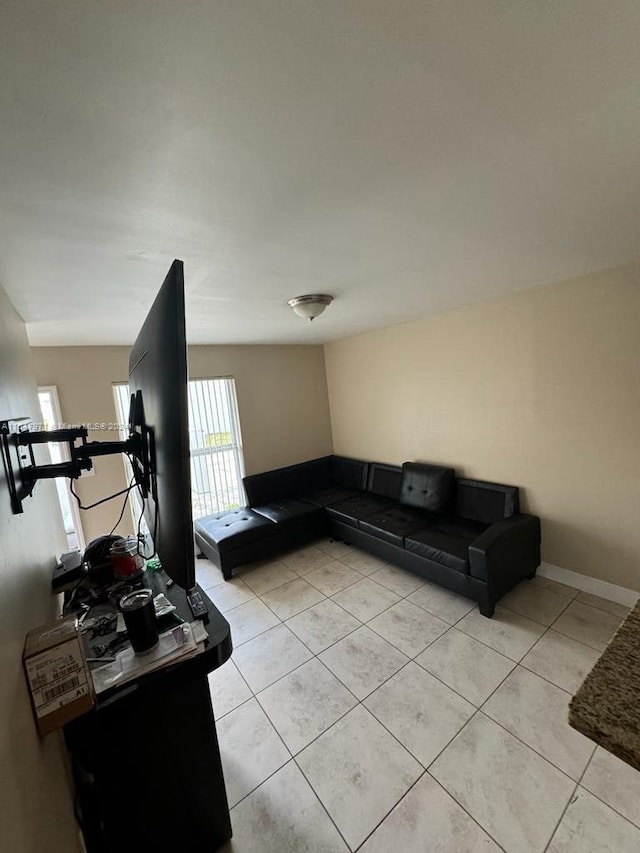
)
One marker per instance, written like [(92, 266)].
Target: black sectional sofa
[(466, 535)]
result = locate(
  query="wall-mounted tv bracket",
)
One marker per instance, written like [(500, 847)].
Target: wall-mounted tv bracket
[(17, 442)]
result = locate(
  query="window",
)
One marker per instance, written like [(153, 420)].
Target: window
[(215, 444), (51, 418)]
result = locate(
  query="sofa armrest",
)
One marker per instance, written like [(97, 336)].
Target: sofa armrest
[(507, 551)]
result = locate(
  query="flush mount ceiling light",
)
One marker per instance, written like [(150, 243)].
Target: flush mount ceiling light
[(311, 305)]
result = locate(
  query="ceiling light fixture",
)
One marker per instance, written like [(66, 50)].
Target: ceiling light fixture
[(311, 305)]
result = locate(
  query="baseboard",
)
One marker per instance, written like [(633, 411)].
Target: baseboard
[(595, 586)]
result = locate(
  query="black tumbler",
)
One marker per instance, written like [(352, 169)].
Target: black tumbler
[(140, 618)]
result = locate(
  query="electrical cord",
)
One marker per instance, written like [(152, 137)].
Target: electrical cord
[(133, 483), (124, 504), (139, 534), (143, 503), (97, 503), (66, 607)]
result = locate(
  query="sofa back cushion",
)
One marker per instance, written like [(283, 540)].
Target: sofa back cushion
[(384, 480), (486, 502), (429, 487), (349, 473), (293, 480)]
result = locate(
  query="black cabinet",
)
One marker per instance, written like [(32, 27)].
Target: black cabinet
[(146, 761)]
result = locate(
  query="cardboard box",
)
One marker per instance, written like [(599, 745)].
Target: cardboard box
[(57, 674)]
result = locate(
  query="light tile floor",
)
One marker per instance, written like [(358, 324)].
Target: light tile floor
[(365, 709)]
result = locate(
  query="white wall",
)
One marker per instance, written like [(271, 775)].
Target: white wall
[(36, 813)]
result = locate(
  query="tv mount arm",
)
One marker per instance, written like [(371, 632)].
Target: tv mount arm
[(17, 442)]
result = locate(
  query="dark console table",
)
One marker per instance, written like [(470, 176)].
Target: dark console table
[(146, 761)]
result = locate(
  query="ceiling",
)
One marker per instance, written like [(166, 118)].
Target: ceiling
[(407, 157)]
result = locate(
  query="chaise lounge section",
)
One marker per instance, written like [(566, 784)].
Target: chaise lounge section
[(466, 535)]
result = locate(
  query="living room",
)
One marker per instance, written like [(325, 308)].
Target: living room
[(462, 181)]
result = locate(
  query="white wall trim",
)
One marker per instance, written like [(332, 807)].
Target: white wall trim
[(595, 586)]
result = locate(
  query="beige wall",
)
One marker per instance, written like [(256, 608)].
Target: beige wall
[(282, 400), (541, 389), (36, 813)]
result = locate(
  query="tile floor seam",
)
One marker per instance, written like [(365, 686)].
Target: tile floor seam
[(280, 620), (395, 737), (341, 717), (526, 616), (361, 702), (377, 826), (544, 678), (478, 710), (605, 804), (452, 795), (352, 583), (373, 617), (542, 581), (313, 655), (517, 736), (411, 657), (597, 797), (239, 705), (243, 679), (551, 628), (597, 610), (452, 625), (569, 802), (266, 779), (377, 687), (244, 572), (593, 648), (513, 660), (277, 769), (384, 726), (468, 813), (326, 811), (600, 607), (316, 657), (453, 689), (527, 745), (352, 631)]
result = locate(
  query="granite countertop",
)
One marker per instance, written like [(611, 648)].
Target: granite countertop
[(606, 707)]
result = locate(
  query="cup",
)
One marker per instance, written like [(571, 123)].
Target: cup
[(127, 563), (139, 615)]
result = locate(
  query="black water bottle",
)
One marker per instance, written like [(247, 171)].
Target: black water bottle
[(139, 615)]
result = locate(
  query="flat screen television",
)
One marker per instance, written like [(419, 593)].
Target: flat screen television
[(158, 378)]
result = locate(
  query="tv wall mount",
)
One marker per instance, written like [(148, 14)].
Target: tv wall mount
[(17, 442)]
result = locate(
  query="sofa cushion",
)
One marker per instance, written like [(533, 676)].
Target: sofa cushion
[(286, 482), (233, 528), (348, 473), (360, 506), (486, 502), (429, 487), (464, 527), (329, 495), (287, 509), (447, 549), (384, 480), (394, 523)]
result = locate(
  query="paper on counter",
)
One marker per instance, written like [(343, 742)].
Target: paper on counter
[(173, 645)]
